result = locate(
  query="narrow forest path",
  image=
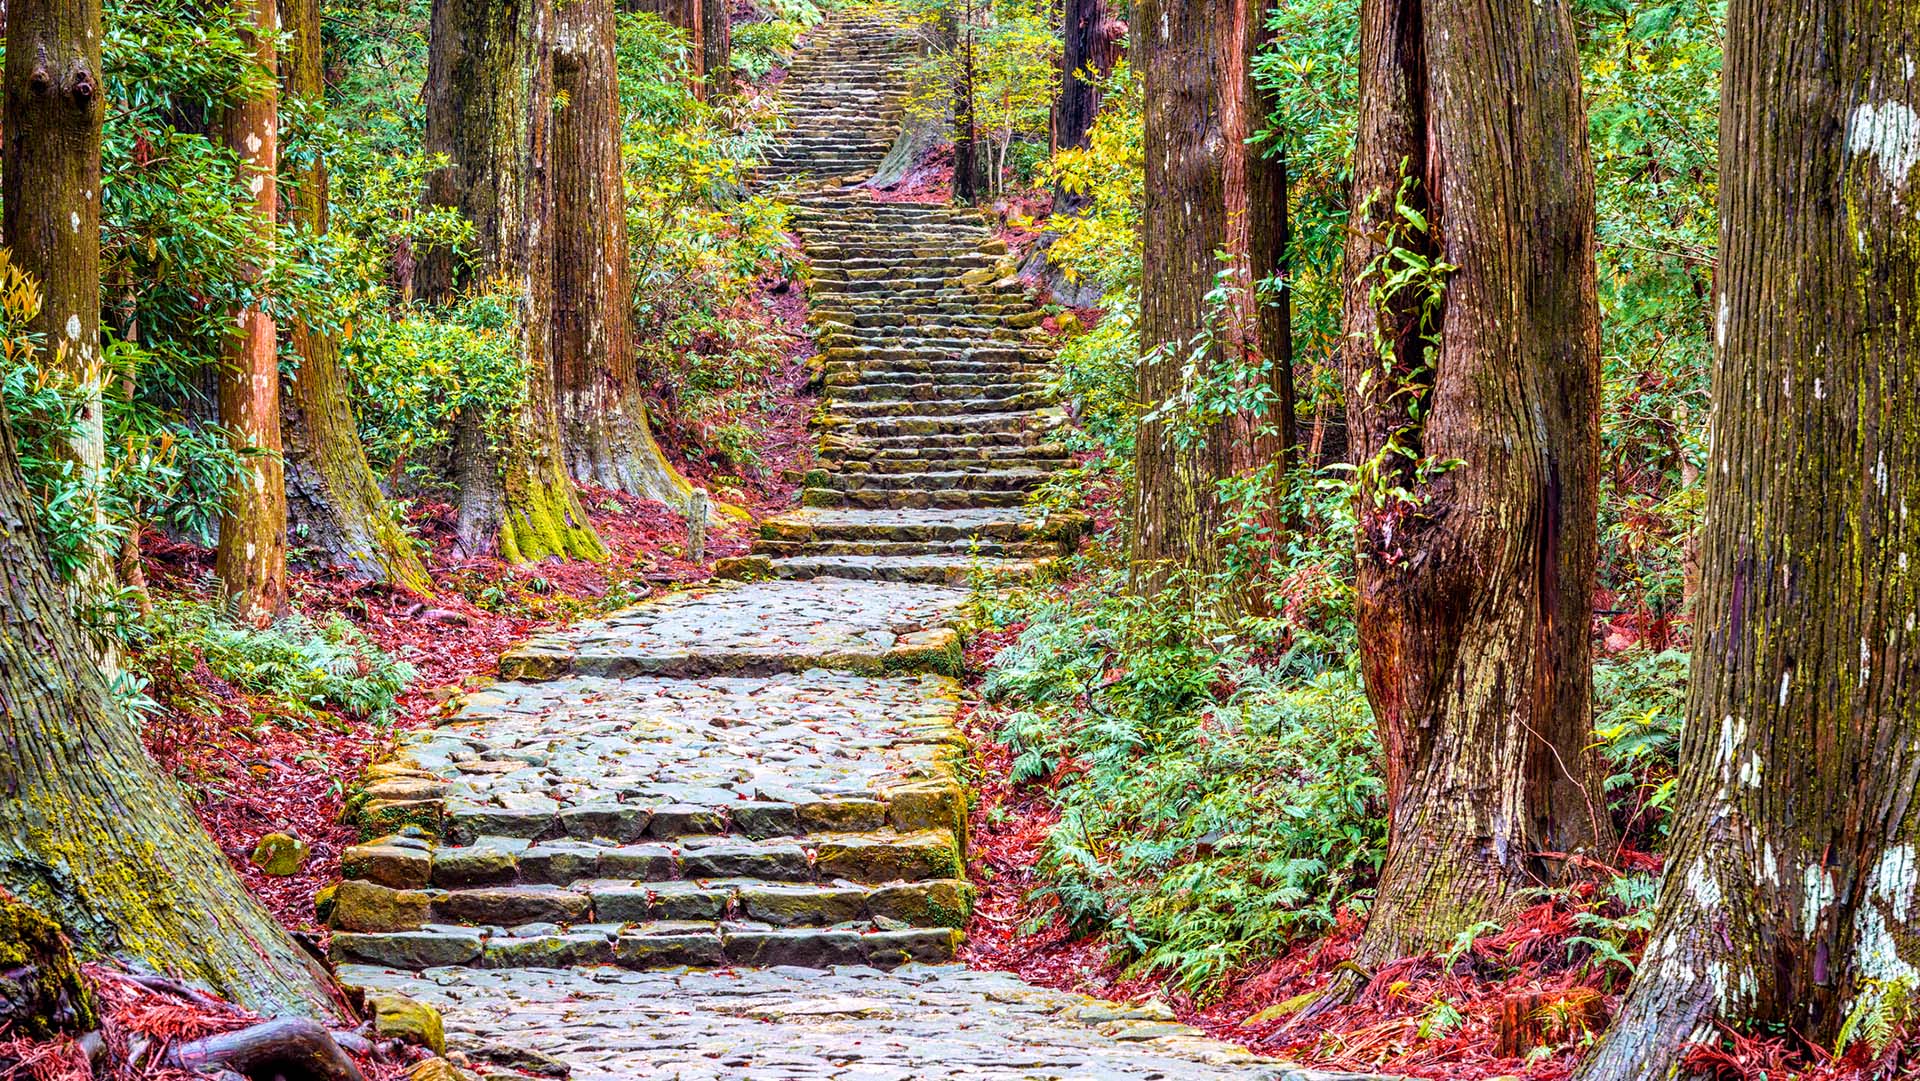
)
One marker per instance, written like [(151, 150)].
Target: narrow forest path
[(722, 835)]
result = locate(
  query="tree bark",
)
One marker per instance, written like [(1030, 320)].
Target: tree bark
[(1790, 890), (603, 417), (51, 197), (489, 110), (716, 46), (252, 555), (334, 501), (92, 833), (1208, 193), (1090, 37), (1475, 587), (1086, 50)]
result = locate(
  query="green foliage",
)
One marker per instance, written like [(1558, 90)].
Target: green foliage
[(1640, 700), (1007, 54), (1212, 809), (1883, 1009), (304, 665), (765, 42), (1096, 368), (422, 368), (699, 242), (1621, 918)]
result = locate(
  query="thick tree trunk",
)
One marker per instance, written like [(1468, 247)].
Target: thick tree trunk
[(252, 555), (92, 833), (489, 110), (1207, 192), (1790, 892), (51, 198), (1475, 587), (333, 499), (603, 418)]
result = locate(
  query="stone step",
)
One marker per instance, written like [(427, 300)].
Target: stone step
[(950, 570), (703, 633), (957, 549), (1015, 385), (994, 480), (654, 944), (967, 423), (806, 526), (840, 410), (887, 499), (540, 876)]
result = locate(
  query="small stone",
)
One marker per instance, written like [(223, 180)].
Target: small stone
[(281, 855), (505, 906), (560, 863), (397, 1017), (685, 820), (765, 819), (524, 1059), (670, 949), (940, 903), (841, 816)]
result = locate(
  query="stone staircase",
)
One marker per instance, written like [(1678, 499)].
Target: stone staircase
[(761, 775), (936, 419), (844, 102)]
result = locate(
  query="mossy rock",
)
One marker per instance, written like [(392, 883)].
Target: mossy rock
[(42, 992), (281, 855), (395, 1016)]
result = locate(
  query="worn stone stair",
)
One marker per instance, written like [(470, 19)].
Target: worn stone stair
[(756, 775), (937, 410)]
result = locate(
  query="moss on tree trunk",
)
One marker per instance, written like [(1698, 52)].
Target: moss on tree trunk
[(490, 110), (1792, 881), (92, 833)]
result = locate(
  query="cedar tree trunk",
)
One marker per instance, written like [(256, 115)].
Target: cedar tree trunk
[(51, 195), (1791, 880), (489, 110), (252, 555), (92, 832), (603, 415), (716, 46), (1480, 403), (333, 498), (1091, 40), (1208, 193)]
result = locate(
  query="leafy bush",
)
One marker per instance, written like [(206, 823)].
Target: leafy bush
[(303, 664), (1212, 809), (1640, 701), (699, 243), (414, 371)]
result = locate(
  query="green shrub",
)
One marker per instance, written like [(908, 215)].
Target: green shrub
[(1212, 809), (305, 665)]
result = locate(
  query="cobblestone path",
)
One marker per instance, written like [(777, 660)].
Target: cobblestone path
[(722, 835)]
